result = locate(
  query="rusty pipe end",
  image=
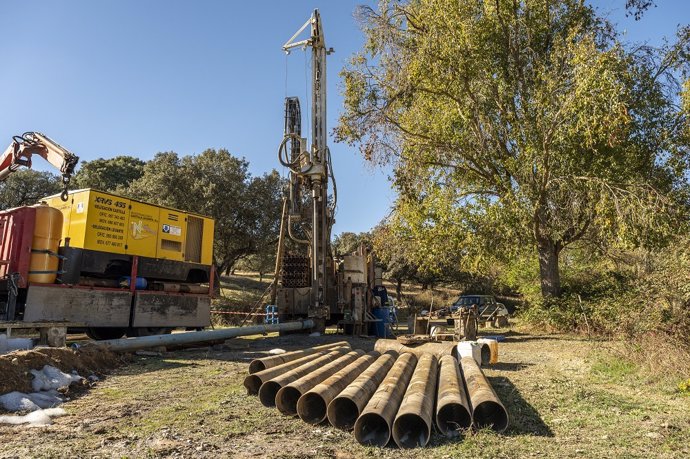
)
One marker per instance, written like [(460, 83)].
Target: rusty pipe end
[(311, 408), (410, 431), (342, 413), (268, 392), (371, 429), (490, 414), (253, 384), (255, 366), (451, 418), (286, 400)]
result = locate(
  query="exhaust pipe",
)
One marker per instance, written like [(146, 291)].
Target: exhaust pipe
[(257, 365), (288, 396), (270, 388), (254, 381), (437, 349), (344, 409), (373, 427), (487, 409), (452, 407), (312, 405), (412, 425)]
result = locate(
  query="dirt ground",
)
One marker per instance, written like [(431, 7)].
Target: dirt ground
[(15, 367), (567, 397)]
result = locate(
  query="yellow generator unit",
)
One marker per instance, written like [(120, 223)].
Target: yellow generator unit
[(95, 220)]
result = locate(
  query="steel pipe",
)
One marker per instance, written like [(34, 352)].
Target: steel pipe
[(312, 406), (344, 409), (487, 409), (143, 342), (373, 427), (270, 388), (437, 349), (288, 396), (275, 360), (412, 424), (254, 381), (452, 406)]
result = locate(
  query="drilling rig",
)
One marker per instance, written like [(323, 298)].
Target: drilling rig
[(309, 281)]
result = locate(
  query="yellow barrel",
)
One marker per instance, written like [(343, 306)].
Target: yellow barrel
[(47, 233)]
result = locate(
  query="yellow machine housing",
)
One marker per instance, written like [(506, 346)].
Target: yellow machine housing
[(96, 220)]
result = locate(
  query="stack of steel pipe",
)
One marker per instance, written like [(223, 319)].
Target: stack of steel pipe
[(390, 393)]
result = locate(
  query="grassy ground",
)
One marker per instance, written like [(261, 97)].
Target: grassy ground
[(567, 397)]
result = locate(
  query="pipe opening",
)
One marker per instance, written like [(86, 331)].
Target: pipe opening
[(372, 430), (253, 384), (286, 400), (342, 413), (451, 418), (490, 414), (410, 431), (311, 408), (486, 354), (255, 366), (268, 392)]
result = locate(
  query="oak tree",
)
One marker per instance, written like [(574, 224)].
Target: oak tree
[(519, 125)]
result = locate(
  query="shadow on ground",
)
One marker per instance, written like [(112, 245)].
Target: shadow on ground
[(524, 418), (510, 366)]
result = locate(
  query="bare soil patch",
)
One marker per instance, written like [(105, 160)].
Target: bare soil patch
[(15, 367)]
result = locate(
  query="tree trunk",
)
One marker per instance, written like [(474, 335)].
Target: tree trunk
[(548, 268), (398, 290)]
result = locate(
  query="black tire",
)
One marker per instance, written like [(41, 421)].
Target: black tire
[(101, 333)]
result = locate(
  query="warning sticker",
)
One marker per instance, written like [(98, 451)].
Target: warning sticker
[(174, 230)]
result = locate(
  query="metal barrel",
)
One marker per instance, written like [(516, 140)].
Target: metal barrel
[(438, 349), (269, 389), (313, 405), (412, 424), (257, 365), (487, 409), (344, 409), (452, 406), (133, 344), (288, 396), (254, 381), (373, 426)]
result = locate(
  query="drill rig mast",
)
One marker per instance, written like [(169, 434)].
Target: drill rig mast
[(309, 206)]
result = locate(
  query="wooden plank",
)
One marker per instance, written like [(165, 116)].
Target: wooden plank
[(92, 307)]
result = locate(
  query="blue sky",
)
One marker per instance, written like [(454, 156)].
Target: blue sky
[(106, 78)]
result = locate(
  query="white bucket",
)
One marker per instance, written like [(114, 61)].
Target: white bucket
[(470, 349)]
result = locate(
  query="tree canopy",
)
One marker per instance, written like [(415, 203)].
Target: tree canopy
[(111, 174), (348, 242), (26, 187), (516, 126)]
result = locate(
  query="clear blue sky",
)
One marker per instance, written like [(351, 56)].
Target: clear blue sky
[(106, 78)]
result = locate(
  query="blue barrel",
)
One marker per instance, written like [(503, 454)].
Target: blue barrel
[(140, 283), (382, 329)]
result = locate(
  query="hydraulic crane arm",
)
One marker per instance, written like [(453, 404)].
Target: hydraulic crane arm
[(23, 147)]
